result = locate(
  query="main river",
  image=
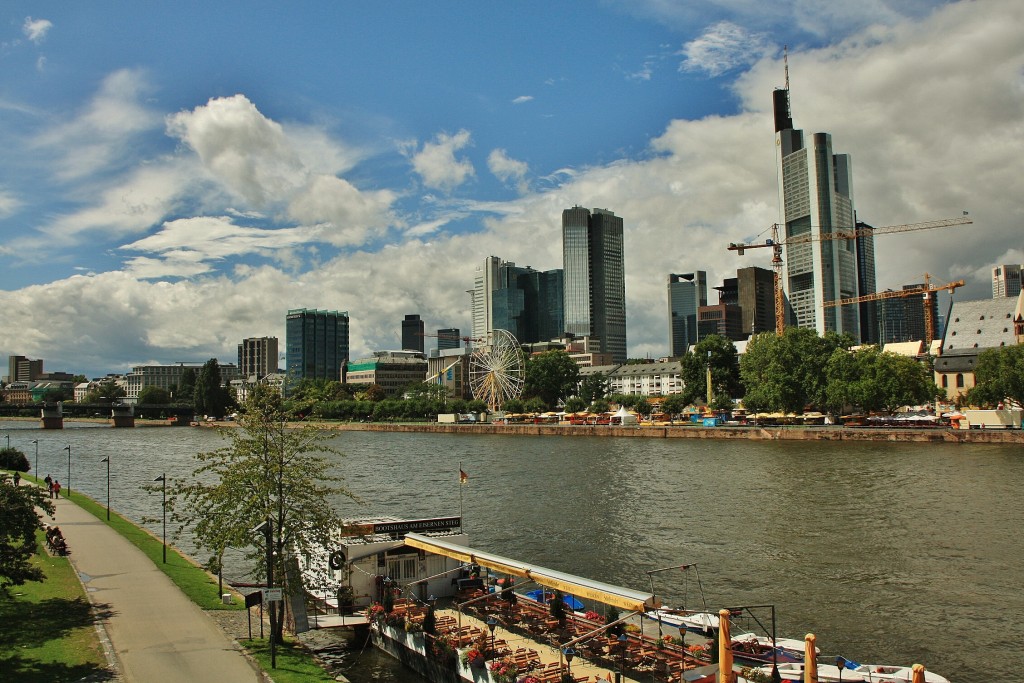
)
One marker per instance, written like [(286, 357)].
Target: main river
[(889, 552)]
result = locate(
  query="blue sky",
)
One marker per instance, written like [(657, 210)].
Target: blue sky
[(176, 177)]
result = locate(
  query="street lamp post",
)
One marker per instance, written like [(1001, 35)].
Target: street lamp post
[(36, 470), (492, 623), (8, 437), (840, 664), (267, 528), (569, 654), (162, 478), (623, 639), (107, 460), (68, 449)]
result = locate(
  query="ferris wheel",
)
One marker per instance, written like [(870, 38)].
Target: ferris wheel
[(496, 370)]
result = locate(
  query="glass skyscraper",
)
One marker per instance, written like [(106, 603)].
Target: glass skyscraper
[(686, 293), (815, 198), (317, 345), (594, 278)]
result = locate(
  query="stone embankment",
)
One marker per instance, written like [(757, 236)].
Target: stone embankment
[(828, 433)]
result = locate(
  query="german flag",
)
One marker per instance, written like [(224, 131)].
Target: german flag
[(463, 477)]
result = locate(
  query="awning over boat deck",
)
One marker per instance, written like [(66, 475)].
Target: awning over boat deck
[(623, 598)]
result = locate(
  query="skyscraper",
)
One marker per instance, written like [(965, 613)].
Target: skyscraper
[(257, 356), (866, 283), (484, 283), (815, 199), (686, 293), (595, 286), (316, 344), (448, 338), (412, 333), (524, 301), (1007, 280)]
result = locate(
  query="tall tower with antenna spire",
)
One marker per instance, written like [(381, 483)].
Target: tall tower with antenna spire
[(815, 197)]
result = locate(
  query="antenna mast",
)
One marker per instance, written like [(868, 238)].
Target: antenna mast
[(785, 62)]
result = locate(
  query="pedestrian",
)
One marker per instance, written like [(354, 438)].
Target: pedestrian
[(49, 485), (17, 478), (56, 488)]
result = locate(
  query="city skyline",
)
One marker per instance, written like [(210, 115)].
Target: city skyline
[(171, 188)]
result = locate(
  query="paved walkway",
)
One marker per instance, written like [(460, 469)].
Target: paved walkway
[(156, 632)]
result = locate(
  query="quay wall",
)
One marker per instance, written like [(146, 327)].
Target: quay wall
[(833, 433)]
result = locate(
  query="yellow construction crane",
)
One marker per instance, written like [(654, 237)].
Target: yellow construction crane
[(925, 291), (846, 233)]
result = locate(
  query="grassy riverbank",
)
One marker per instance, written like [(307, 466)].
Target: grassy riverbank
[(294, 663)]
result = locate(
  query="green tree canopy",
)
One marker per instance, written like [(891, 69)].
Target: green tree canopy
[(999, 377), (21, 521), (575, 404), (550, 376), (186, 387), (674, 404), (593, 387), (210, 396), (720, 353), (787, 373), (876, 380), (269, 471), (154, 396)]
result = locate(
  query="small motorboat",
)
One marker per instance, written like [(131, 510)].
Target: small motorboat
[(882, 673), (702, 623), (827, 673)]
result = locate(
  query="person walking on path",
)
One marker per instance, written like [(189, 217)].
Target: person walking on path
[(49, 485), (17, 478), (56, 489), (156, 633)]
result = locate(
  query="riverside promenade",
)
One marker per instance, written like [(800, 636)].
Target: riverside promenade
[(156, 633)]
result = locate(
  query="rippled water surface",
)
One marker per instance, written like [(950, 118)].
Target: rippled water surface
[(890, 553)]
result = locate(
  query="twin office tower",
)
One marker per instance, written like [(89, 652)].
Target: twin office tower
[(586, 298)]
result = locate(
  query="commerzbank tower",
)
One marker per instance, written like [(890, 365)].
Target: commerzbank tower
[(815, 199)]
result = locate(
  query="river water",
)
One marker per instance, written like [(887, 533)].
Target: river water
[(891, 553)]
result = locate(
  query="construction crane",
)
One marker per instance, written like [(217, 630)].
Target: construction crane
[(846, 233), (925, 291)]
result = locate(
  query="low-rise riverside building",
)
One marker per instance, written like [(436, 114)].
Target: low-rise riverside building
[(393, 371)]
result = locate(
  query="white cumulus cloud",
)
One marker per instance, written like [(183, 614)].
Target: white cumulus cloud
[(437, 164), (507, 169), (36, 29)]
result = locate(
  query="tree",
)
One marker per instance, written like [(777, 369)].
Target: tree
[(575, 404), (999, 377), (720, 353), (876, 380), (674, 404), (787, 373), (152, 395), (593, 387), (106, 391), (186, 387), (18, 544), (268, 472), (643, 407), (210, 396), (13, 459), (551, 376)]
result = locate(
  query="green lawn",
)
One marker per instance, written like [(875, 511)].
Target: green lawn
[(73, 649), (47, 629)]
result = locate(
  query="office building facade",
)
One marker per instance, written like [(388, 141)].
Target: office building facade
[(1007, 280), (866, 283), (521, 300), (593, 261), (412, 333), (257, 356), (317, 344), (448, 338), (815, 199), (686, 293)]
